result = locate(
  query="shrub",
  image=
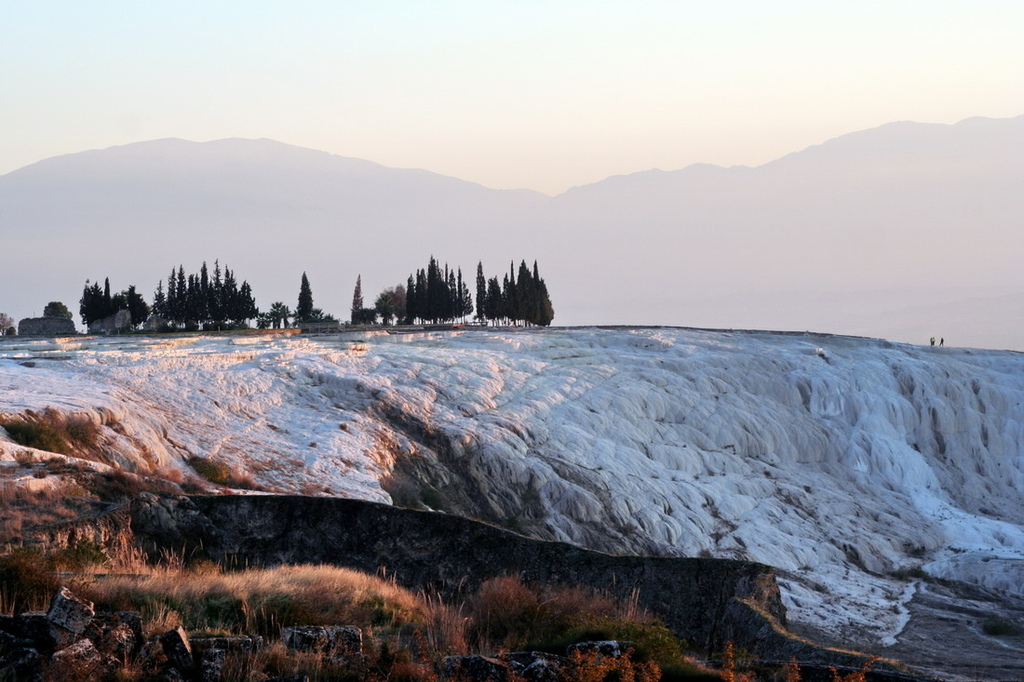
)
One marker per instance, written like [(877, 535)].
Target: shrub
[(38, 435), (27, 581), (507, 614), (53, 431), (220, 473), (85, 554), (212, 470), (999, 627)]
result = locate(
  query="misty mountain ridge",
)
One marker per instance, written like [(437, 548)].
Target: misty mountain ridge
[(895, 208)]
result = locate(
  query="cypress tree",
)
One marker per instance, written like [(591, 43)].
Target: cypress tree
[(495, 305), (159, 300), (217, 299), (181, 310), (411, 310), (304, 310), (525, 294), (481, 292), (357, 299), (202, 301), (464, 298)]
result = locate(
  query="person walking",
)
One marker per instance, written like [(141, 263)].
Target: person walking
[(933, 340)]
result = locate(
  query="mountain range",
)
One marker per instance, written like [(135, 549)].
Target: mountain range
[(904, 231)]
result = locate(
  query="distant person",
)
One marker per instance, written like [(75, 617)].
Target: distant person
[(942, 342), (933, 340)]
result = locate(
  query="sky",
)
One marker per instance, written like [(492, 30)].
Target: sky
[(540, 95)]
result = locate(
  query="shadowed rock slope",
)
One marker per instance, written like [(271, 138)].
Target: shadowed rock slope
[(705, 601)]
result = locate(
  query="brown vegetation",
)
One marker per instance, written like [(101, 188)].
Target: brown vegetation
[(219, 473), (54, 431)]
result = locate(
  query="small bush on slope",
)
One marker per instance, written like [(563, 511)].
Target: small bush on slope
[(506, 614), (53, 431), (220, 473)]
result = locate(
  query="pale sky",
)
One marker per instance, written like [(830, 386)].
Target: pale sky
[(541, 95)]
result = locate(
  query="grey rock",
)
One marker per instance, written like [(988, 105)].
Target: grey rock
[(118, 634), (79, 661), (211, 652), (231, 644), (33, 626), (538, 666), (178, 650), (476, 669), (118, 322), (333, 641), (68, 617), (21, 663), (611, 648)]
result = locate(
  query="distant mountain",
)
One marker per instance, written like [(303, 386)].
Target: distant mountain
[(921, 213)]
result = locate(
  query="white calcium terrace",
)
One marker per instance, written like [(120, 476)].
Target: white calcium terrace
[(837, 460)]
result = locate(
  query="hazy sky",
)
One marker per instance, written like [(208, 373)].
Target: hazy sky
[(544, 95)]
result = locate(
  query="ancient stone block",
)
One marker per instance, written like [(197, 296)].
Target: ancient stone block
[(476, 669), (537, 666), (21, 663), (211, 652), (117, 634), (79, 661), (332, 641), (69, 615), (33, 626), (46, 326), (178, 650), (611, 648)]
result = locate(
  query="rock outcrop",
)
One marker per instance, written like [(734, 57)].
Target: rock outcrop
[(116, 323), (704, 601)]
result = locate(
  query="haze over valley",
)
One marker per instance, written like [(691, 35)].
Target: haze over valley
[(904, 232)]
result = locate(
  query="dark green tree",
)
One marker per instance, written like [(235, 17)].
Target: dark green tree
[(304, 309), (385, 307), (136, 305), (481, 293), (357, 299), (411, 302), (92, 306), (279, 314), (160, 300), (218, 298), (57, 309), (495, 309)]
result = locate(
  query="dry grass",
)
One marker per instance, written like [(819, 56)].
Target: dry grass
[(508, 614), (27, 506), (54, 431), (262, 601), (406, 635)]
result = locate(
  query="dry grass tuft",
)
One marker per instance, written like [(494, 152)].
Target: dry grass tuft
[(262, 601), (219, 473), (54, 431)]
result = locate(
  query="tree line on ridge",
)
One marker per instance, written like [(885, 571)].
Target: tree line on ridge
[(433, 295)]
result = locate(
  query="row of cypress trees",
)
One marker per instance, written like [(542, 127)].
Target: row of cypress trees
[(433, 295), (518, 298), (202, 300), (438, 295)]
